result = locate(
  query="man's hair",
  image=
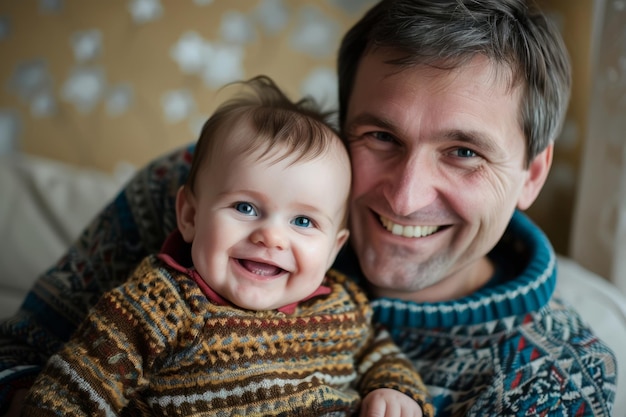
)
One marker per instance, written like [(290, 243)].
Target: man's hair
[(301, 129), (446, 34)]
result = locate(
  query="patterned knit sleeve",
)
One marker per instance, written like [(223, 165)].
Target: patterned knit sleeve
[(380, 363), (109, 359), (383, 365), (134, 224)]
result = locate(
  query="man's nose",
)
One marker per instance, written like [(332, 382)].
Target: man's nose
[(270, 235), (411, 185)]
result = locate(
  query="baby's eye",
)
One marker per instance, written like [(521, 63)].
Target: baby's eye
[(302, 221), (245, 208)]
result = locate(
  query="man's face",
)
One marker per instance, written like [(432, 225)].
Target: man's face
[(438, 167), (264, 232)]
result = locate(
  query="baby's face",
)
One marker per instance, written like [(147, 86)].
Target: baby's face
[(264, 233)]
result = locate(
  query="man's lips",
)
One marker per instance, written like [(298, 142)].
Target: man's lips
[(260, 268), (410, 231)]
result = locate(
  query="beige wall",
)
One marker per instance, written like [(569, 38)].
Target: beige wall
[(554, 208), (138, 54), (599, 227)]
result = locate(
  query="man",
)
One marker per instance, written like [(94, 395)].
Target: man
[(450, 110)]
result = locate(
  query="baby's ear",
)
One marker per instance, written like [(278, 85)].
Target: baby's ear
[(186, 213), (340, 240)]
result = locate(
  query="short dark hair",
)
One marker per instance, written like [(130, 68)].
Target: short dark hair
[(302, 127), (513, 34)]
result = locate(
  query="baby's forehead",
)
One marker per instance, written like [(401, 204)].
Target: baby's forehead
[(244, 140), (290, 157)]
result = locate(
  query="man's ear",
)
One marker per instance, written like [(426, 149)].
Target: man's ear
[(186, 213), (340, 240), (537, 175)]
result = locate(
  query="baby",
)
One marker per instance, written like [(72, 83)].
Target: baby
[(239, 314)]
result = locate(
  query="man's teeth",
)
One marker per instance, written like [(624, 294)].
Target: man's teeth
[(407, 231)]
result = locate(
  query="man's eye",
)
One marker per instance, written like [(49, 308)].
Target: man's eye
[(383, 136), (465, 153), (302, 221), (245, 208)]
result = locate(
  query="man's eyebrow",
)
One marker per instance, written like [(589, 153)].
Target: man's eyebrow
[(369, 119), (481, 140)]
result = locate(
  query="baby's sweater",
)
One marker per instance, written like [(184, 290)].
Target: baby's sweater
[(157, 345)]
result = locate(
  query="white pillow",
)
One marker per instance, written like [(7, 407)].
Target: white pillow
[(603, 307), (44, 206)]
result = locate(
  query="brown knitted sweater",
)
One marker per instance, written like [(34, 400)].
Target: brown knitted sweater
[(158, 346)]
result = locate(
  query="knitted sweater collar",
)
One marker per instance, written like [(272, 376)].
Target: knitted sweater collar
[(527, 289)]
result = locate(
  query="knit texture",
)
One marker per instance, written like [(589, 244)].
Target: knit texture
[(505, 350), (157, 345), (509, 349)]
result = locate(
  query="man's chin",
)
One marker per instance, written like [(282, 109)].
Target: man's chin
[(384, 277), (390, 274)]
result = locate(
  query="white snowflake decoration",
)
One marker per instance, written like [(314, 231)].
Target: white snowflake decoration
[(237, 28), (177, 105), (43, 104), (86, 44), (315, 34), (5, 27), (191, 53), (84, 88), (10, 127), (119, 99), (272, 15), (30, 78), (321, 84), (144, 11), (50, 6), (223, 66)]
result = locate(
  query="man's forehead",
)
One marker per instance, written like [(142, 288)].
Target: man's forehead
[(389, 62), (470, 101), (402, 88)]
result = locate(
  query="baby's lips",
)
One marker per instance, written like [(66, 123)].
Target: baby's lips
[(261, 268)]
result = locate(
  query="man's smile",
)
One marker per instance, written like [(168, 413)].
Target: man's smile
[(409, 231)]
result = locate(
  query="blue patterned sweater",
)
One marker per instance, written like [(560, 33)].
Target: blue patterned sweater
[(511, 349)]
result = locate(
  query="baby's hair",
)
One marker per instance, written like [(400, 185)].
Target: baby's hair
[(301, 129)]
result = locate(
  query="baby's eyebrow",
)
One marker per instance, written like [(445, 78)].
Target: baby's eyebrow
[(314, 212), (241, 193)]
